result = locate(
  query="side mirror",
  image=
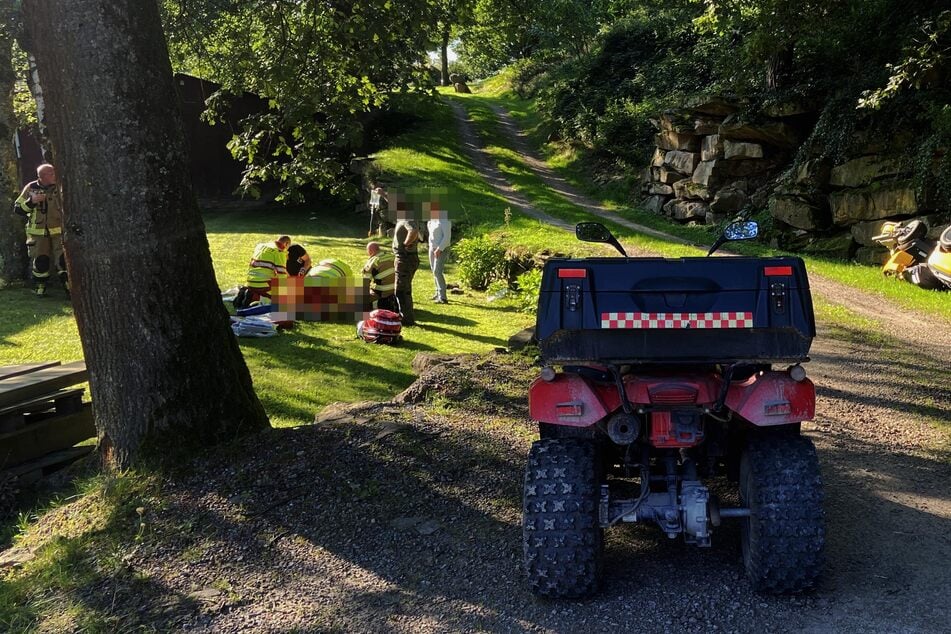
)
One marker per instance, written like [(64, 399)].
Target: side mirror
[(741, 231), (597, 232), (592, 232)]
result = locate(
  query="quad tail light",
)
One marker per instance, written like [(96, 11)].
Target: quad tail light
[(576, 273), (781, 408), (570, 409), (777, 271)]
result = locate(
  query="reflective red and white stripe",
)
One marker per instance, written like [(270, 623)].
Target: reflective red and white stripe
[(676, 320)]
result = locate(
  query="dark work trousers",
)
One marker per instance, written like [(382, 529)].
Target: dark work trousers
[(406, 266), (388, 303)]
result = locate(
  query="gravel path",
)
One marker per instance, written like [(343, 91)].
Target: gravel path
[(403, 517)]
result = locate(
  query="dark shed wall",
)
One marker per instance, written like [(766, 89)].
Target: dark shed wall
[(214, 172)]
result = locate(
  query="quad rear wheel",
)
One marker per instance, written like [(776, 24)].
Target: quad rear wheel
[(782, 539), (561, 534)]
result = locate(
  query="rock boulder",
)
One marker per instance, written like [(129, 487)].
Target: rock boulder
[(863, 171), (775, 133), (716, 105), (686, 210), (672, 140), (690, 190), (683, 162), (669, 176), (799, 213), (703, 125), (871, 256), (711, 148), (873, 203), (728, 201), (655, 204), (741, 150), (863, 232), (813, 173), (717, 173), (660, 189)]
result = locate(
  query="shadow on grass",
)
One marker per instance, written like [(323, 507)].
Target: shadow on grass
[(84, 583), (20, 309), (494, 341)]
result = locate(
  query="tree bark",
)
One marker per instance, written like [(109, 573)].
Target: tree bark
[(444, 55), (12, 236), (779, 67), (164, 368)]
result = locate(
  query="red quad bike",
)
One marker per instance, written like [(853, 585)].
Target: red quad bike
[(673, 371)]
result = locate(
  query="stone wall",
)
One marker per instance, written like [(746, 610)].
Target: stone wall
[(850, 202), (710, 163)]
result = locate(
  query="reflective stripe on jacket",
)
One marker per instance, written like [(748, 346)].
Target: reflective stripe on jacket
[(46, 218), (267, 263), (381, 269), (331, 269)]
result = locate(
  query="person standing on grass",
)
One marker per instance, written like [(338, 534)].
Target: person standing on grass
[(439, 228), (405, 248), (378, 202), (41, 203)]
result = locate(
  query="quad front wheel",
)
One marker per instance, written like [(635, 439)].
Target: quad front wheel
[(561, 535), (782, 539)]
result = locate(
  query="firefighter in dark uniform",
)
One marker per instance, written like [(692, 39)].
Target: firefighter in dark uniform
[(41, 203), (406, 250), (380, 269)]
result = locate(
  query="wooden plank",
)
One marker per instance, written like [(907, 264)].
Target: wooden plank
[(41, 438), (11, 422), (9, 371), (41, 403), (34, 384), (35, 469)]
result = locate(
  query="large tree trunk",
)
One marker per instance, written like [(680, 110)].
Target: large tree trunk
[(164, 368), (12, 237), (444, 55)]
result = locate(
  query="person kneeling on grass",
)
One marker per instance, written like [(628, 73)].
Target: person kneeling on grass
[(380, 270), (268, 264)]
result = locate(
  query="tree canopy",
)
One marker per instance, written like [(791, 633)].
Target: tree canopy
[(320, 65)]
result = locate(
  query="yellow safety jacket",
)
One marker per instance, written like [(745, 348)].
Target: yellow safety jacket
[(45, 218), (381, 269), (267, 263), (331, 269)]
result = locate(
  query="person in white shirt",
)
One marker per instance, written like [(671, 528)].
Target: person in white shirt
[(377, 202), (440, 235)]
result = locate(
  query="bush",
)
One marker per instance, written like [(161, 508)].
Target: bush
[(480, 261), (529, 287)]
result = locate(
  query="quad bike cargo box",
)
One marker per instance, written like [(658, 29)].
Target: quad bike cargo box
[(688, 310)]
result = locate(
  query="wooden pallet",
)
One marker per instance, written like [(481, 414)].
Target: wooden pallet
[(23, 386), (42, 417)]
